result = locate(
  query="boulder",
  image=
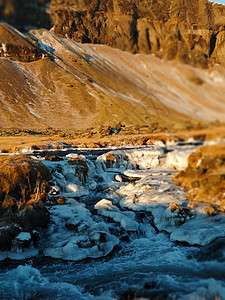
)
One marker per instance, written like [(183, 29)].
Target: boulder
[(20, 178), (34, 216), (204, 177), (8, 231)]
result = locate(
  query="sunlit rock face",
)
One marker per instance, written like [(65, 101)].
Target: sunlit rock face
[(193, 33)]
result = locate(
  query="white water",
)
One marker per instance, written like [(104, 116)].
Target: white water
[(116, 247)]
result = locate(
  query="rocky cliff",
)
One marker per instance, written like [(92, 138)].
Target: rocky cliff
[(16, 46), (192, 31), (23, 13)]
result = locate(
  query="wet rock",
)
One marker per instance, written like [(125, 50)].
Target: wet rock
[(22, 241), (77, 227), (54, 200), (35, 236), (61, 201), (34, 216), (8, 232), (97, 238), (53, 158), (81, 168), (210, 210), (177, 216), (173, 207), (55, 190), (110, 160)]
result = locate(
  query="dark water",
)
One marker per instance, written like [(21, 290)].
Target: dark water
[(152, 268)]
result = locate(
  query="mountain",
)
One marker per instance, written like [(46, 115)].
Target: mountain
[(191, 30), (49, 79)]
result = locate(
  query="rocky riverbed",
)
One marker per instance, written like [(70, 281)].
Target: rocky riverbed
[(114, 215)]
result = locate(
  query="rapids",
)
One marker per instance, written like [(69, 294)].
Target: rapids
[(116, 238)]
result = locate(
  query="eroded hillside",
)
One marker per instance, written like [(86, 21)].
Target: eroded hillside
[(72, 85), (50, 80)]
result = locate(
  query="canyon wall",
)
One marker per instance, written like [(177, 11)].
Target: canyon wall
[(192, 31)]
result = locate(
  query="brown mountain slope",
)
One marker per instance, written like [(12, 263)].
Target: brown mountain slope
[(79, 86)]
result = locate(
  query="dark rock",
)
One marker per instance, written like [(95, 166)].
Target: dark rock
[(4, 151), (79, 227), (16, 46), (23, 13), (33, 216), (125, 238), (35, 238), (53, 158), (8, 232), (150, 285), (22, 241)]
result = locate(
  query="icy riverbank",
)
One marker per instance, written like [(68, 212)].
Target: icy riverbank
[(123, 203)]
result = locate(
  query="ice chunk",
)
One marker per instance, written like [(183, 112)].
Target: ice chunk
[(125, 219), (199, 231), (143, 158), (23, 236), (73, 235), (178, 159), (78, 190)]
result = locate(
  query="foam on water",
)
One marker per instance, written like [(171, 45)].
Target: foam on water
[(26, 282)]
